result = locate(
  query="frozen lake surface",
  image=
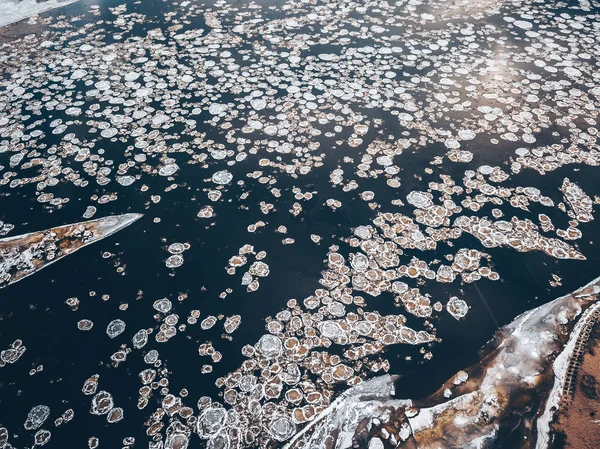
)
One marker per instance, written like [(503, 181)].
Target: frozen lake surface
[(12, 11)]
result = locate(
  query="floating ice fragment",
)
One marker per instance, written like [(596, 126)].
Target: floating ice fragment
[(246, 278), (140, 339), (41, 437), (168, 170), (485, 170), (174, 261), (360, 262), (260, 269), (102, 403), (90, 211), (85, 325), (90, 385), (208, 322), (3, 437), (419, 199), (125, 180), (176, 248), (363, 232), (151, 357), (232, 323), (36, 417), (13, 353), (330, 329), (282, 428), (217, 108), (258, 104), (115, 415), (222, 177), (466, 134), (452, 143), (456, 307), (163, 305), (131, 76), (210, 422), (115, 328), (270, 346), (78, 74), (523, 24)]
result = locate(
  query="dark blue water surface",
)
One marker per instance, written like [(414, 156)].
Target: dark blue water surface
[(34, 310)]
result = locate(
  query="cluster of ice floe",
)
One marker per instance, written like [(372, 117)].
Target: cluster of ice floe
[(12, 353), (256, 270), (332, 90), (516, 385), (176, 251), (251, 100), (36, 418)]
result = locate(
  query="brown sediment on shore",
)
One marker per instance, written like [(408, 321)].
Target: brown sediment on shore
[(23, 255), (523, 377), (577, 424)]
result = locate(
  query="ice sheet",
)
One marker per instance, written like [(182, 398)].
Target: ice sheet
[(13, 11)]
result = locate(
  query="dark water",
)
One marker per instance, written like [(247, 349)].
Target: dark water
[(35, 310)]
